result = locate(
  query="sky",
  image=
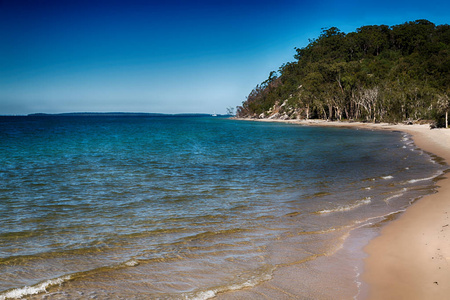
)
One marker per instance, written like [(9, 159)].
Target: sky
[(166, 56)]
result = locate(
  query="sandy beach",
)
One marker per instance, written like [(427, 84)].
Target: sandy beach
[(408, 260)]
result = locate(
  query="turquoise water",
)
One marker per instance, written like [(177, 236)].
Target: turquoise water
[(184, 207)]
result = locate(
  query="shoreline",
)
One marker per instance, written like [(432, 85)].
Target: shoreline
[(409, 258)]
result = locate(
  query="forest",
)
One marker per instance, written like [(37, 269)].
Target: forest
[(379, 73)]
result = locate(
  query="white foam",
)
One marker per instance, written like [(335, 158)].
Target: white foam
[(368, 221), (395, 196), (343, 208), (426, 178), (204, 295), (212, 293), (387, 177), (419, 180), (249, 283), (32, 290), (407, 139), (358, 282), (131, 263)]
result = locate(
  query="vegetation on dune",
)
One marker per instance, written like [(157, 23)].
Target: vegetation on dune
[(378, 73)]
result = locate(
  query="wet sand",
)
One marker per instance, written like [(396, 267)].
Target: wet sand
[(408, 260)]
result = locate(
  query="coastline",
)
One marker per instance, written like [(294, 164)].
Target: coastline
[(409, 258)]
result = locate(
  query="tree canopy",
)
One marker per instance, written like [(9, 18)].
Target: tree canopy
[(378, 73)]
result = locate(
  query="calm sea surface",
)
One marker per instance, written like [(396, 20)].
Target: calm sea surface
[(181, 207)]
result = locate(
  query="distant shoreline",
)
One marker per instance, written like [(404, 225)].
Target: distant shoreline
[(118, 114)]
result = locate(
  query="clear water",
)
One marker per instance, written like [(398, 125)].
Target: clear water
[(182, 207)]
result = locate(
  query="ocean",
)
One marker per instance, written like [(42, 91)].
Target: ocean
[(167, 207)]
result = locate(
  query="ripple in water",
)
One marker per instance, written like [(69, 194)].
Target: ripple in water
[(170, 207)]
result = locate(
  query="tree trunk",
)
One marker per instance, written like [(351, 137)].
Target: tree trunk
[(446, 119), (325, 113)]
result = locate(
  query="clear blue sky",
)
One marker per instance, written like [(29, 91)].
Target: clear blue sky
[(165, 56)]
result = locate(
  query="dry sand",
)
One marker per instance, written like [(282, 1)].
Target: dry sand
[(410, 258)]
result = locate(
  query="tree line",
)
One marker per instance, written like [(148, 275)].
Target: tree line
[(378, 73)]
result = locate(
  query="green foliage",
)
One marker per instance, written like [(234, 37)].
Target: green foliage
[(378, 73)]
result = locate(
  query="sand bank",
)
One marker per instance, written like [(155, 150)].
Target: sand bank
[(410, 259)]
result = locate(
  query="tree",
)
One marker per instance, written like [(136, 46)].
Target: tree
[(444, 106), (378, 73), (230, 111)]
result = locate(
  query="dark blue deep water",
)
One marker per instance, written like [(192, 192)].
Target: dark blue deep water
[(174, 207)]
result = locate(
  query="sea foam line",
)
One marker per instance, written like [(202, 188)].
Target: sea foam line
[(33, 290), (396, 195), (357, 204), (234, 287), (18, 293), (358, 282), (427, 178)]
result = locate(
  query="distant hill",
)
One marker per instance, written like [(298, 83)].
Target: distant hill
[(120, 114), (378, 73)]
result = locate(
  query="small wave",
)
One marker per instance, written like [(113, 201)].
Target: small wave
[(426, 178), (204, 295), (293, 214), (131, 263), (378, 219), (407, 140), (387, 177), (419, 179), (213, 234), (234, 287), (357, 282), (395, 196), (343, 208), (32, 290)]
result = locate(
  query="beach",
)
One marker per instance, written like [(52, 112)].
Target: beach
[(407, 260)]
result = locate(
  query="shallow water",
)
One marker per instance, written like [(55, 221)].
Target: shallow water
[(183, 207)]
